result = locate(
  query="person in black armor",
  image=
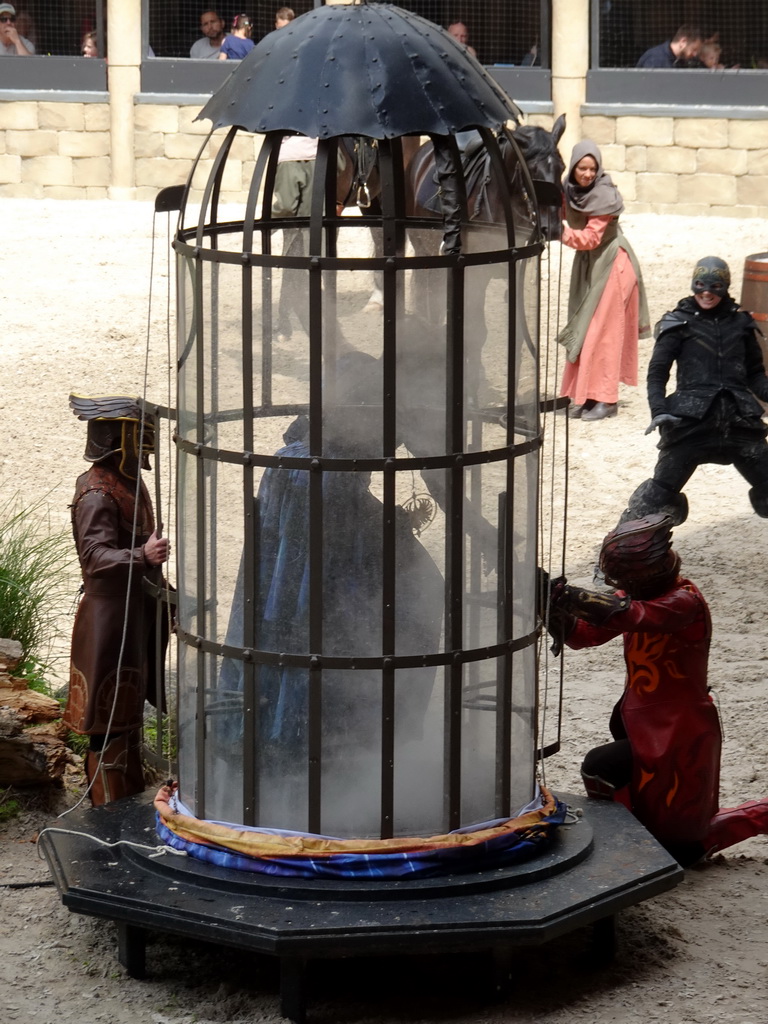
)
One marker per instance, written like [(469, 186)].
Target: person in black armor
[(713, 414)]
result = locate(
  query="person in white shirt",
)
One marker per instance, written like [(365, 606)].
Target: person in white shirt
[(11, 43), (212, 27)]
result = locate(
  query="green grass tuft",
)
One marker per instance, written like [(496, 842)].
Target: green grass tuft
[(36, 569), (8, 808)]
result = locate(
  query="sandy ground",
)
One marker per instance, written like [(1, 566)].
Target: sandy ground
[(75, 317)]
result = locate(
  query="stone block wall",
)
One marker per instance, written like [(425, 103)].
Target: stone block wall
[(61, 150), (704, 166), (685, 165), (54, 150), (167, 142)]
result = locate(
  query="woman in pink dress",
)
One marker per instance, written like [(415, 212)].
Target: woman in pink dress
[(607, 310)]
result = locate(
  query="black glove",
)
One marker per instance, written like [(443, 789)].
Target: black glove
[(664, 419), (589, 605), (559, 623)]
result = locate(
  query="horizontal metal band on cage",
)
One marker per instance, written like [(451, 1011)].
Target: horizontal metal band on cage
[(162, 411), (553, 404), (232, 415), (548, 751), (388, 662), (440, 262), (159, 592), (386, 464)]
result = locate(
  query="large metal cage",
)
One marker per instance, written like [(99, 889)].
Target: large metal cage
[(358, 444)]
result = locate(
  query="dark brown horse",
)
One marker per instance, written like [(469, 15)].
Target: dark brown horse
[(485, 202), (433, 196), (358, 184)]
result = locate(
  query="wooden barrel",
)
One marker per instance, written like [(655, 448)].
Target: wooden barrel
[(754, 298), (754, 287)]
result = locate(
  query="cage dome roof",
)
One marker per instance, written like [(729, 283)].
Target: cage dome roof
[(363, 69)]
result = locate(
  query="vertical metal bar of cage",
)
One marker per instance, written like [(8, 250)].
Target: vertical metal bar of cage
[(454, 541), (250, 567), (316, 489), (504, 664), (392, 213), (475, 609), (448, 165), (211, 466), (330, 302), (265, 168), (207, 542), (506, 568), (161, 609), (200, 545)]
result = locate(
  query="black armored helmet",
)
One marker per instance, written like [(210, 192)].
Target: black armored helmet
[(116, 426), (711, 274)]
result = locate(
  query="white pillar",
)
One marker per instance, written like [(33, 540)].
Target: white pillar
[(570, 62), (124, 81)]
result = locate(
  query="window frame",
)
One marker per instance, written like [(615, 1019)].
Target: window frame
[(740, 91)]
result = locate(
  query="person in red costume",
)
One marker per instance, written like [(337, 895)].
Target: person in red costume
[(664, 760)]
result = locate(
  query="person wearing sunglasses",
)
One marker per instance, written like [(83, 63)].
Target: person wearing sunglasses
[(713, 415), (11, 43), (239, 44)]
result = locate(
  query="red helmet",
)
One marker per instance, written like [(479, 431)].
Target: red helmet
[(637, 556)]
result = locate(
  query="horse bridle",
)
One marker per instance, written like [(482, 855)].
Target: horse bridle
[(366, 153)]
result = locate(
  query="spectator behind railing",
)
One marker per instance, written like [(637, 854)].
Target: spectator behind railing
[(25, 26), (209, 46), (283, 16), (11, 43), (89, 47), (679, 52), (239, 44), (711, 55), (460, 33)]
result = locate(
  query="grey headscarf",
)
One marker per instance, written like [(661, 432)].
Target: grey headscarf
[(601, 198)]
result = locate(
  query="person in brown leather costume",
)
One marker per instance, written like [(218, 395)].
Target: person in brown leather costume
[(114, 637)]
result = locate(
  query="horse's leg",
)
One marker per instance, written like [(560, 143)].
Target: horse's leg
[(292, 293), (375, 303), (428, 291)]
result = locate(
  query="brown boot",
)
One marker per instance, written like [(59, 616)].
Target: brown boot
[(734, 824), (599, 789), (116, 770)]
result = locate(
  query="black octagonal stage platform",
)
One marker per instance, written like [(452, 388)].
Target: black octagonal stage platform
[(602, 863)]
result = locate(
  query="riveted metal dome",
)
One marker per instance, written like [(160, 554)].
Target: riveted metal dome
[(306, 78)]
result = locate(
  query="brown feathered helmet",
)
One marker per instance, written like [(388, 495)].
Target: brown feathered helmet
[(116, 426), (637, 556)]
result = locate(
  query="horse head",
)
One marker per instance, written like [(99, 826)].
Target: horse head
[(539, 147)]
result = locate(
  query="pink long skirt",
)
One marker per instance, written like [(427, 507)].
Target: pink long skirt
[(609, 353)]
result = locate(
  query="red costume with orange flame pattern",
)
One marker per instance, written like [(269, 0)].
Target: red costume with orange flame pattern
[(670, 720)]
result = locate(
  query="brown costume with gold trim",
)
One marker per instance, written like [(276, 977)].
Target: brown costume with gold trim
[(102, 524)]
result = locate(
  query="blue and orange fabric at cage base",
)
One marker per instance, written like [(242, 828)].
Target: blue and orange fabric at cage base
[(304, 855)]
